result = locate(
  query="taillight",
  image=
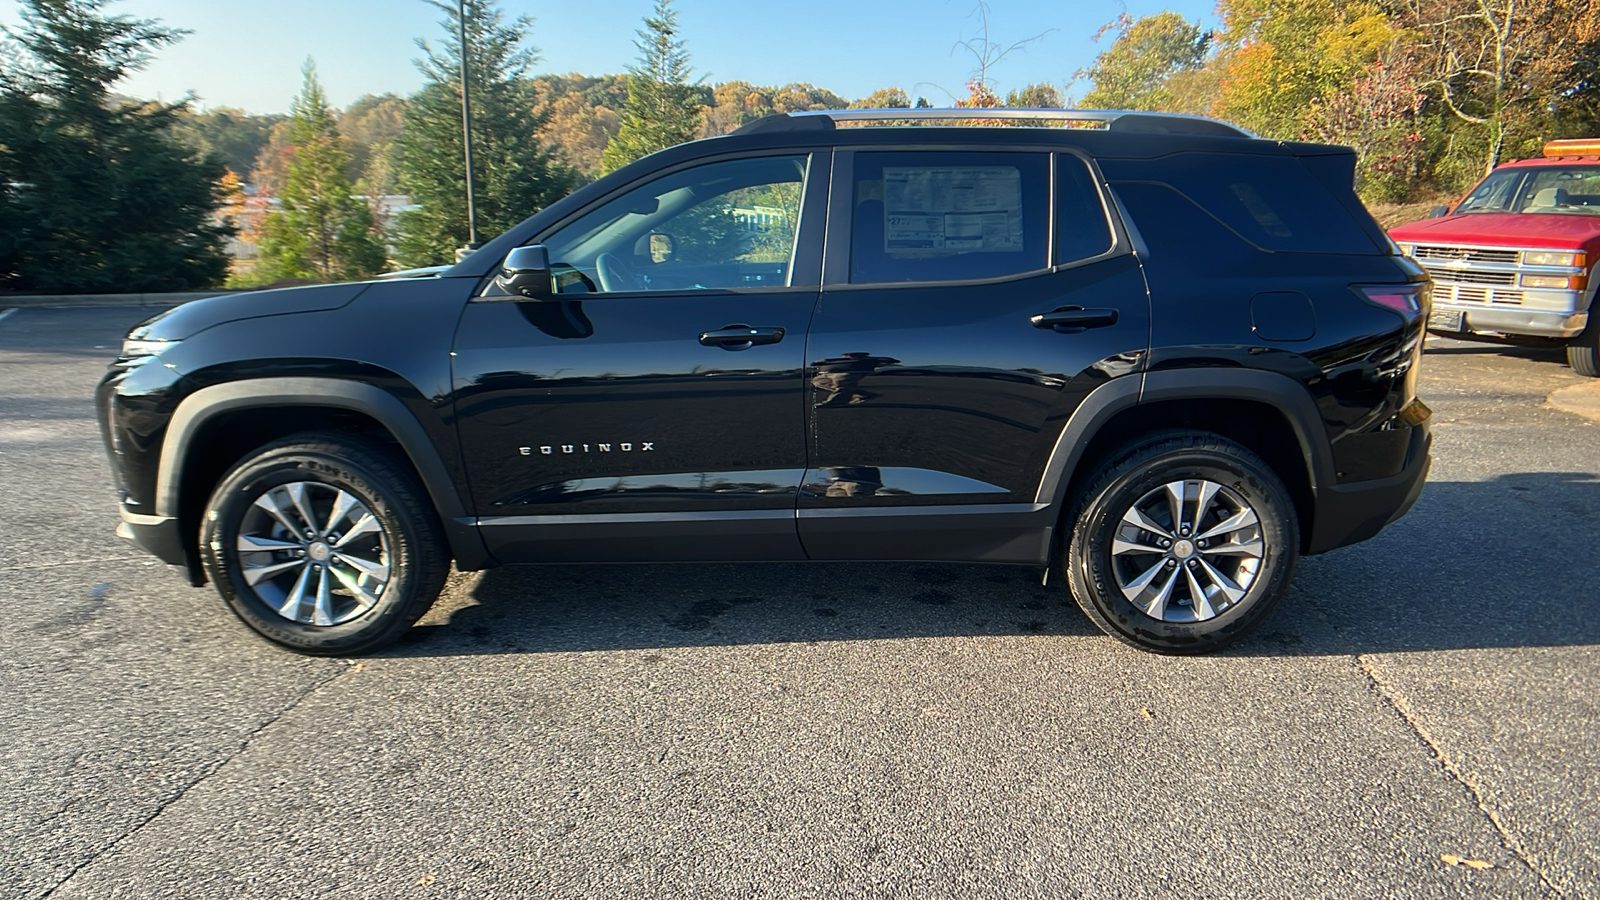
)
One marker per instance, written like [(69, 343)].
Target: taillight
[(1411, 301)]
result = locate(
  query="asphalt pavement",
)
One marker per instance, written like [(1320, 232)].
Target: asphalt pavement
[(1419, 719)]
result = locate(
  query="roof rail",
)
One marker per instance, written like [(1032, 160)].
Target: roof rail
[(1108, 119)]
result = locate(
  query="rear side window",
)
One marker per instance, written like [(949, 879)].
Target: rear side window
[(1082, 230), (1271, 201), (1181, 235), (938, 216)]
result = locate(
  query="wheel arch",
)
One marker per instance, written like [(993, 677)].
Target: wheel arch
[(1271, 414), (213, 428)]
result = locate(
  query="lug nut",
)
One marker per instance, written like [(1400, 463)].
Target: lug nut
[(1166, 543), (1194, 563), (1171, 563)]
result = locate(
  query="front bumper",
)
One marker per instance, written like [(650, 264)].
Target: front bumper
[(1531, 322), (158, 535), (1350, 513)]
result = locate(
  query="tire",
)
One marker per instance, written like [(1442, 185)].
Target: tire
[(1583, 354), (1120, 519), (371, 562)]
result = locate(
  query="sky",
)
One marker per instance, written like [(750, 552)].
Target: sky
[(248, 53)]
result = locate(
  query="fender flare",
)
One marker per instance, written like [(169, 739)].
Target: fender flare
[(200, 407), (1105, 402)]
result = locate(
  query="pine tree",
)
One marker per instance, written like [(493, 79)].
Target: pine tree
[(96, 193), (663, 106), (514, 174), (322, 230)]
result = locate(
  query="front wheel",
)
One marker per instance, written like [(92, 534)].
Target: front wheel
[(1583, 354), (323, 544), (1182, 542)]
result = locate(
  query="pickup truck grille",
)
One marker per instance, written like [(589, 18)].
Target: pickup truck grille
[(1426, 253), (1468, 276), (1465, 293)]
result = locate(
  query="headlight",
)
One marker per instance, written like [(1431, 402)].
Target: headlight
[(132, 348), (1549, 281), (1552, 258)]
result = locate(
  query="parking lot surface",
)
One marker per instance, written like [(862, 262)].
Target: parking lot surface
[(1421, 718)]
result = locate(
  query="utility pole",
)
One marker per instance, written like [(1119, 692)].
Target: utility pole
[(466, 135)]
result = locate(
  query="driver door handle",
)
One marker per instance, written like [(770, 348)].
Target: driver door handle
[(1073, 319), (741, 337)]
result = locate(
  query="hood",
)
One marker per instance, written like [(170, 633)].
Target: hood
[(1556, 231), (197, 315)]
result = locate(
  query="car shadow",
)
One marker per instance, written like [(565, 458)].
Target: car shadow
[(1450, 347), (1505, 563)]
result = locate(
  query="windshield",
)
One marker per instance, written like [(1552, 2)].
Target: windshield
[(1564, 190)]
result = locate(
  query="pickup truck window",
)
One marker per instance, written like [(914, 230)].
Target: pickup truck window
[(1572, 190)]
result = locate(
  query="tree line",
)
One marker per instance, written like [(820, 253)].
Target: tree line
[(100, 192), (1432, 94)]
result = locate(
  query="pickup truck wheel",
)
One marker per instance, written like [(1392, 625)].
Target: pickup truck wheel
[(1583, 354), (1182, 542), (323, 544)]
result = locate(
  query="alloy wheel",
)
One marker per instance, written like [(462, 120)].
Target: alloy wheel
[(1187, 551), (313, 553)]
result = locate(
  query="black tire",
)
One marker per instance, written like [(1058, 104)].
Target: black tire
[(403, 541), (1136, 476), (1583, 354)]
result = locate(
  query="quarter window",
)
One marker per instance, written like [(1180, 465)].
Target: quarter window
[(932, 216), (1082, 230), (1273, 202)]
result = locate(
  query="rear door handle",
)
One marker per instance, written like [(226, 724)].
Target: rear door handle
[(1073, 319), (741, 337)]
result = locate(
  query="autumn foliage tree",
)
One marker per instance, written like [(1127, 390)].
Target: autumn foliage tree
[(1137, 70), (1379, 116), (321, 231)]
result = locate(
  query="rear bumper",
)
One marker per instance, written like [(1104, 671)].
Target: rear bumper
[(1350, 513), (158, 535)]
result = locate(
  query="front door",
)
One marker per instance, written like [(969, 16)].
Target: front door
[(954, 337), (653, 408)]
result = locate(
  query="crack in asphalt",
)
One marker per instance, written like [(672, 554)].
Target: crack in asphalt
[(1391, 697), (244, 743)]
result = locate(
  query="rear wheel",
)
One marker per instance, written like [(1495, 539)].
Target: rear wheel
[(1583, 354), (1182, 542), (322, 543)]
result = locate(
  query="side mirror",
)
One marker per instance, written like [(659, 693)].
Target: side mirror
[(663, 247), (1438, 212), (526, 273)]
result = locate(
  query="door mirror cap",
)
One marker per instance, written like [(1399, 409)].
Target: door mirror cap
[(526, 273)]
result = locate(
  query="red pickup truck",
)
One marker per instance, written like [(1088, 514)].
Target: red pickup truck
[(1514, 259)]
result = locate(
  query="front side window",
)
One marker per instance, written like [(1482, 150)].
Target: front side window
[(935, 216), (725, 225)]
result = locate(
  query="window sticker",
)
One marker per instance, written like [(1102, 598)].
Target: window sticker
[(945, 209)]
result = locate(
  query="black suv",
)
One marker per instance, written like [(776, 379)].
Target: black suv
[(1155, 351)]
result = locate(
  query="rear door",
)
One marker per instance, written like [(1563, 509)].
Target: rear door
[(653, 407), (957, 331)]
